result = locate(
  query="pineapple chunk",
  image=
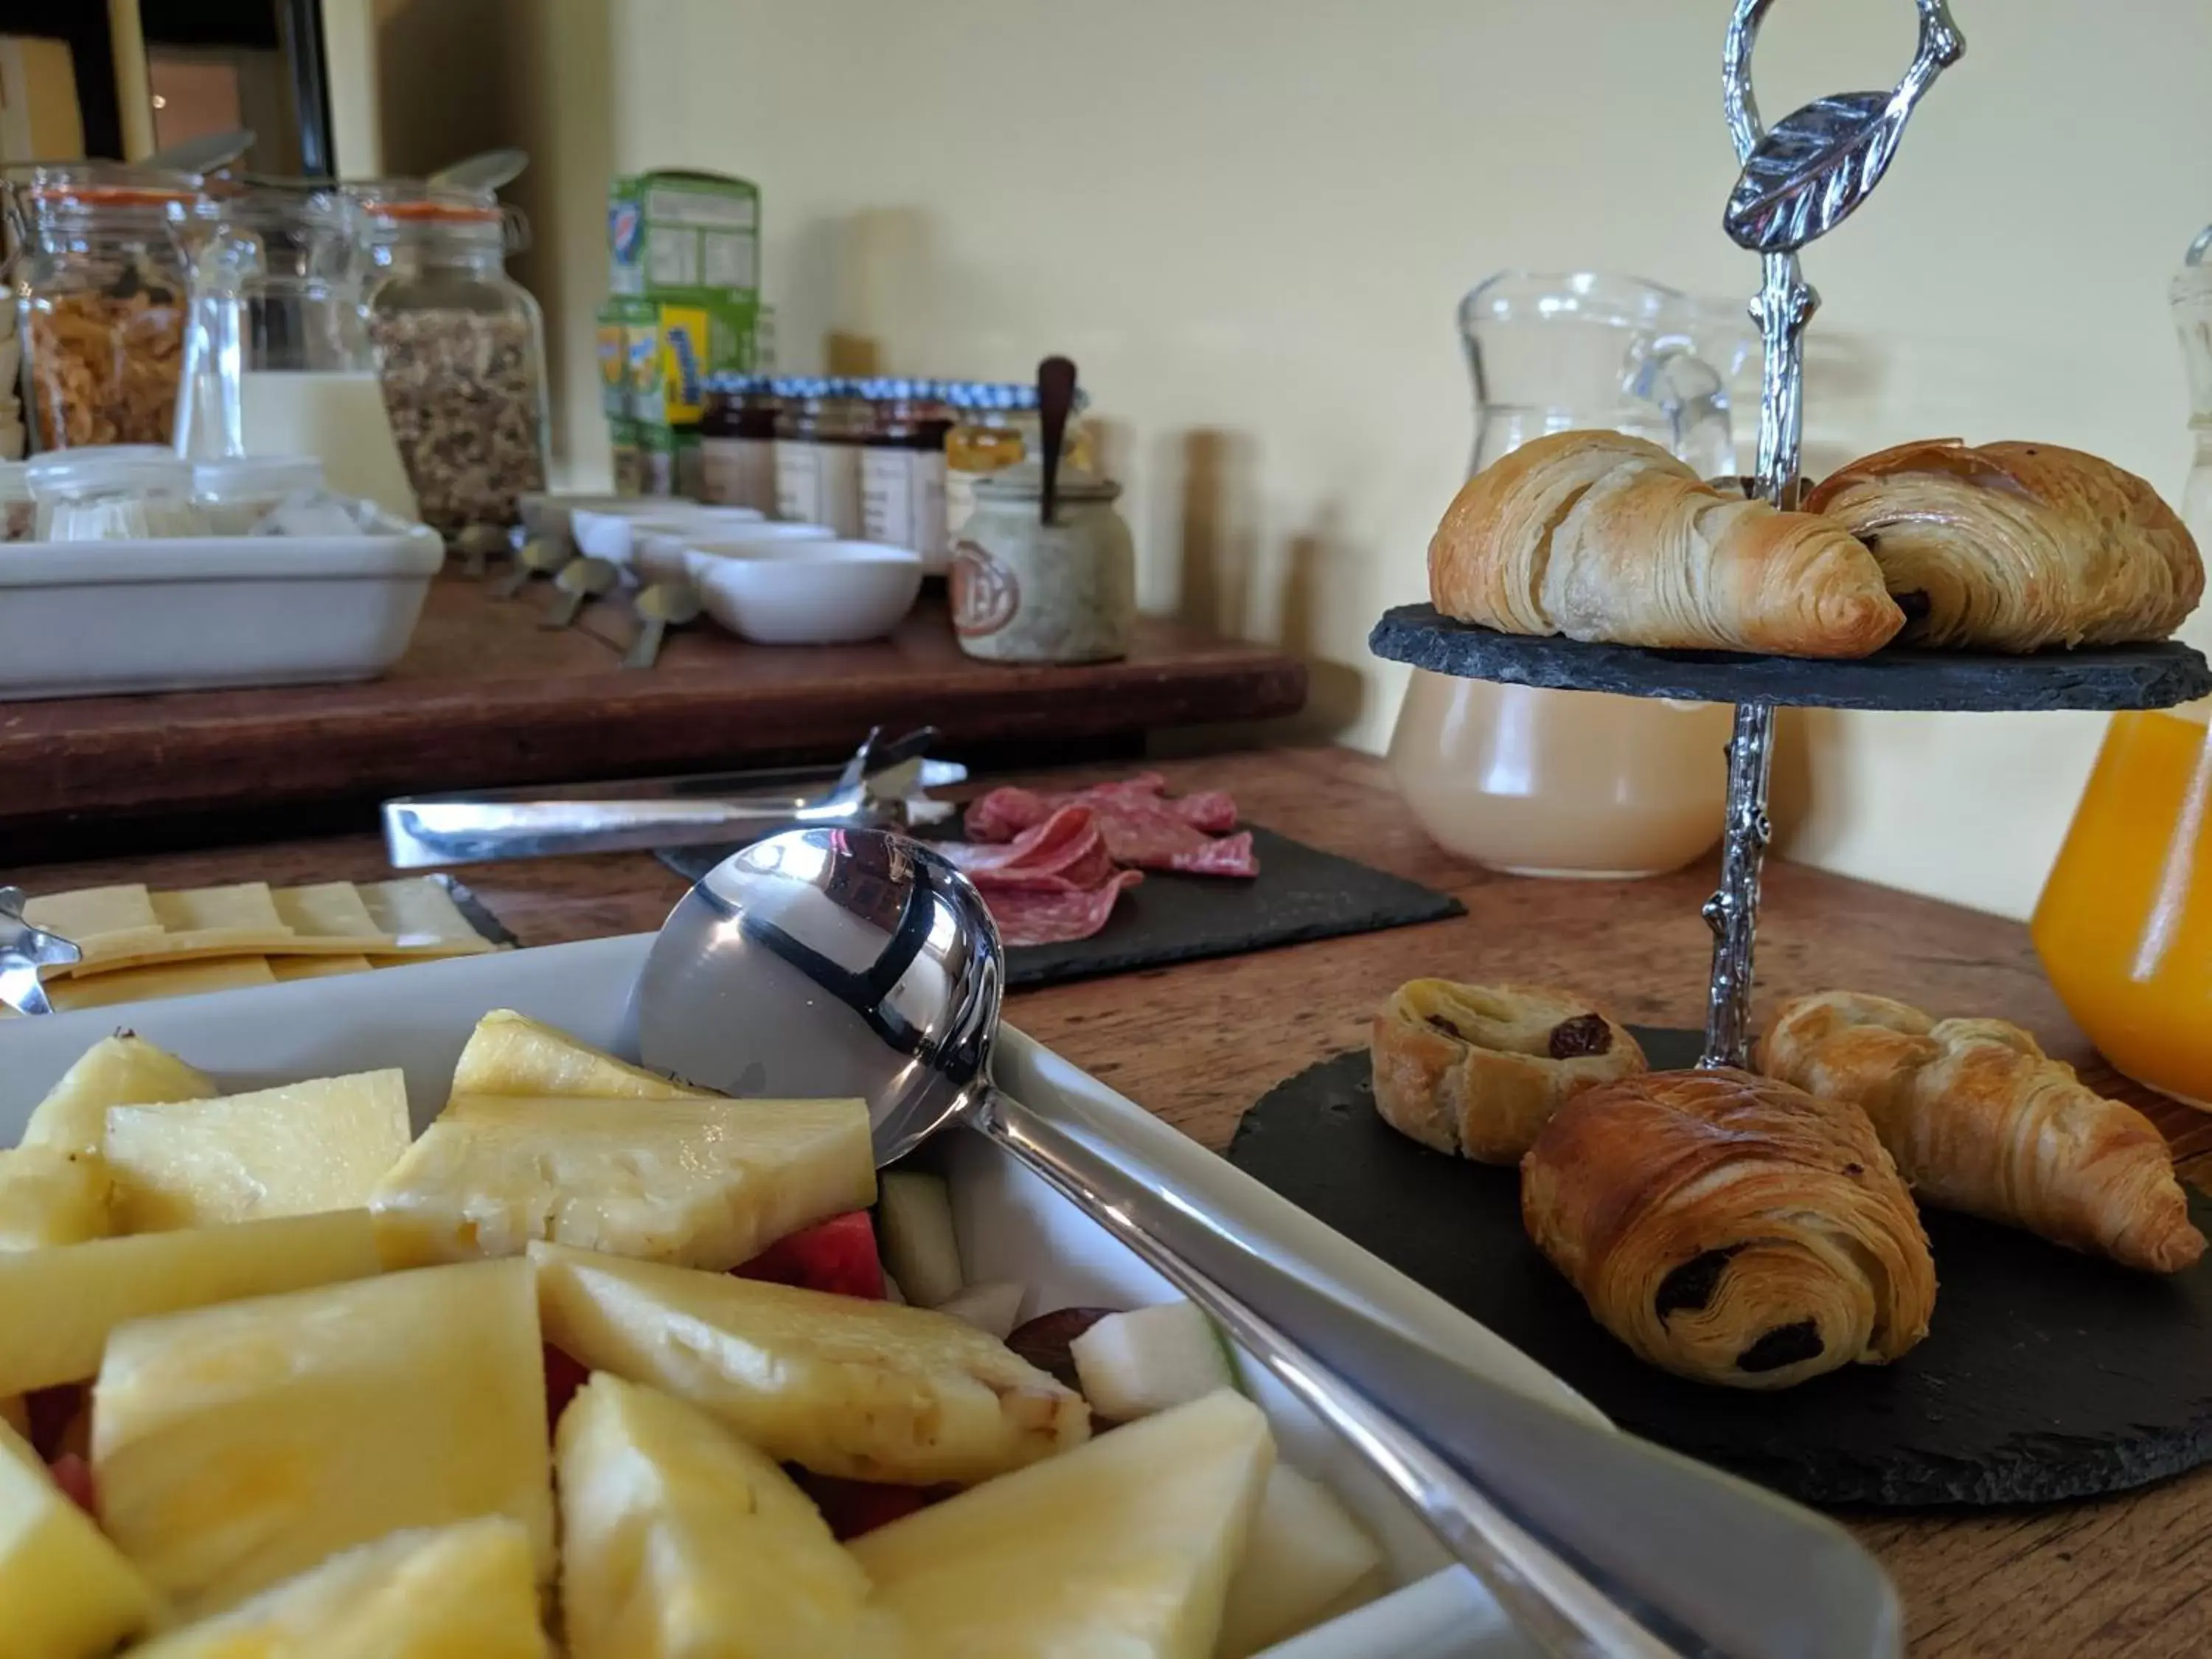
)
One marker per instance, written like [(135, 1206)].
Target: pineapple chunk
[(1125, 1546), (866, 1390), (50, 1197), (58, 1305), (464, 1591), (708, 1183), (295, 1150), (510, 1053), (680, 1541), (116, 1070), (236, 1445), (65, 1592)]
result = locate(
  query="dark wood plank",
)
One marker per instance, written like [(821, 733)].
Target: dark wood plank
[(2128, 1577), (484, 697)]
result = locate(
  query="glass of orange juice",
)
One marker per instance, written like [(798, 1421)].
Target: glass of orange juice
[(2125, 924)]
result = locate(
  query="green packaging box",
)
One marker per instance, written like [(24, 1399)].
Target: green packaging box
[(681, 236)]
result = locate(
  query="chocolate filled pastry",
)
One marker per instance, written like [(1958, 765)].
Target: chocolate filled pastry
[(1730, 1228), (2017, 546), (1479, 1069), (1980, 1119), (1600, 536)]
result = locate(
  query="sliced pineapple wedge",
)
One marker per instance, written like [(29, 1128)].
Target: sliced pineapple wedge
[(465, 1591), (49, 1196), (118, 1071), (65, 1592), (510, 1053), (294, 1151), (864, 1390), (236, 1445), (58, 1305), (1125, 1546), (706, 1183), (678, 1540)]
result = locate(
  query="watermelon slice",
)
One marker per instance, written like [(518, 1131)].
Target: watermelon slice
[(73, 1476), (564, 1375), (837, 1255)]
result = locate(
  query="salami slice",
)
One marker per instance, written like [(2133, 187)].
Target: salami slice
[(1064, 854), (1140, 825), (1231, 855), (1028, 916)]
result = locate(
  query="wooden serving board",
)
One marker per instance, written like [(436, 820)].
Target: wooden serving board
[(2044, 1376), (484, 698)]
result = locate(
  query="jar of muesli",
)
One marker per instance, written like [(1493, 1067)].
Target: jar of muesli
[(100, 294), (461, 351)]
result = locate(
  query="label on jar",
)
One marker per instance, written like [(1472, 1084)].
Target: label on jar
[(818, 483), (738, 472), (902, 498), (959, 499)]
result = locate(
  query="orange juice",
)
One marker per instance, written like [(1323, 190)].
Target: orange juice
[(2125, 924)]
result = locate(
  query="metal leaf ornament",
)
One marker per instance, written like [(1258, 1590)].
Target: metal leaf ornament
[(24, 950), (1806, 174)]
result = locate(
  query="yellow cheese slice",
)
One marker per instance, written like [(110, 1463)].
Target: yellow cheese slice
[(151, 984), (99, 920), (288, 969), (419, 915), (246, 905), (328, 909)]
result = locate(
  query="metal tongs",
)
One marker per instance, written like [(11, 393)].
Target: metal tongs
[(881, 787), (25, 949)]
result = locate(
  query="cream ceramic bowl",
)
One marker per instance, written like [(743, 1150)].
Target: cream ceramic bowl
[(809, 592), (660, 555), (608, 532)]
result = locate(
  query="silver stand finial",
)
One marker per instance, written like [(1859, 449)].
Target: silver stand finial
[(24, 950), (1800, 179)]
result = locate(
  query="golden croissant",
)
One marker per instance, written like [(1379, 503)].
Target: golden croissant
[(1730, 1228), (1979, 1119), (1600, 536), (2017, 546)]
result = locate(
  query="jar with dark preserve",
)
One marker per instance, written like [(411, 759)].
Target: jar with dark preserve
[(820, 428), (902, 468), (736, 442)]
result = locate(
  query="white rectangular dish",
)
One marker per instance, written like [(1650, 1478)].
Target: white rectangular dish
[(86, 619), (1011, 1225)]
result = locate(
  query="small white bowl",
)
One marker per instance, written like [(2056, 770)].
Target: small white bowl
[(546, 514), (605, 533), (661, 555), (811, 593)]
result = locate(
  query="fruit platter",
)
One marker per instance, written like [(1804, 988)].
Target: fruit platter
[(398, 1315)]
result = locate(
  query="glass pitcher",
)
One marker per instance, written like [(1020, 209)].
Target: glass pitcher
[(2124, 923), (1577, 783), (279, 358)]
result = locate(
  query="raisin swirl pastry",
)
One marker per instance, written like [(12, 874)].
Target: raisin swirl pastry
[(1730, 1228), (1479, 1069)]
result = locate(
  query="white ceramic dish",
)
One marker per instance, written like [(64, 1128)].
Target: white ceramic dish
[(1011, 1225), (606, 531), (85, 619), (809, 592), (546, 515), (664, 556)]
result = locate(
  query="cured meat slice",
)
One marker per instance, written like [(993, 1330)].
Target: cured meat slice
[(1029, 916), (1140, 825), (1231, 855), (1064, 853), (1007, 812)]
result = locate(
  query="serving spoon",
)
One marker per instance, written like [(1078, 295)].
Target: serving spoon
[(854, 961)]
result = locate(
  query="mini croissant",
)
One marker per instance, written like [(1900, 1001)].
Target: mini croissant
[(1979, 1119), (1600, 536)]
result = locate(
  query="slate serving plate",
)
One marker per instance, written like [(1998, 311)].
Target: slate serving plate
[(1301, 893), (2044, 1375)]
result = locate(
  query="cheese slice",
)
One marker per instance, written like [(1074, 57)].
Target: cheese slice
[(100, 921), (288, 969), (245, 905), (155, 982), (328, 909), (418, 912)]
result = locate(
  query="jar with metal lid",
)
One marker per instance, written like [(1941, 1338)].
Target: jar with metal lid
[(234, 493), (902, 469), (1028, 589), (101, 282), (995, 424), (736, 442), (115, 492), (460, 350), (820, 428)]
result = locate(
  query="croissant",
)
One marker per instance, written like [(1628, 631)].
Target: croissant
[(1979, 1119), (1477, 1069), (2017, 546), (1600, 536), (1729, 1228)]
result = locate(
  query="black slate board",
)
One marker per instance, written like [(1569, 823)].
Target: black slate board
[(2113, 677), (1301, 893), (2044, 1375)]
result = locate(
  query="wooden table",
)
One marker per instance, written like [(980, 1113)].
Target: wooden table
[(486, 697), (1197, 1043)]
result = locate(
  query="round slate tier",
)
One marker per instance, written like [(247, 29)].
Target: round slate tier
[(1899, 678)]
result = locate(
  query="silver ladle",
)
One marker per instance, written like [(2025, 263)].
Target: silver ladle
[(855, 962)]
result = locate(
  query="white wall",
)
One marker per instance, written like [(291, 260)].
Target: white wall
[(1249, 221)]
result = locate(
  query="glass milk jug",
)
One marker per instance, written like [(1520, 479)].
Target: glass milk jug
[(2125, 924), (279, 358), (1577, 783)]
